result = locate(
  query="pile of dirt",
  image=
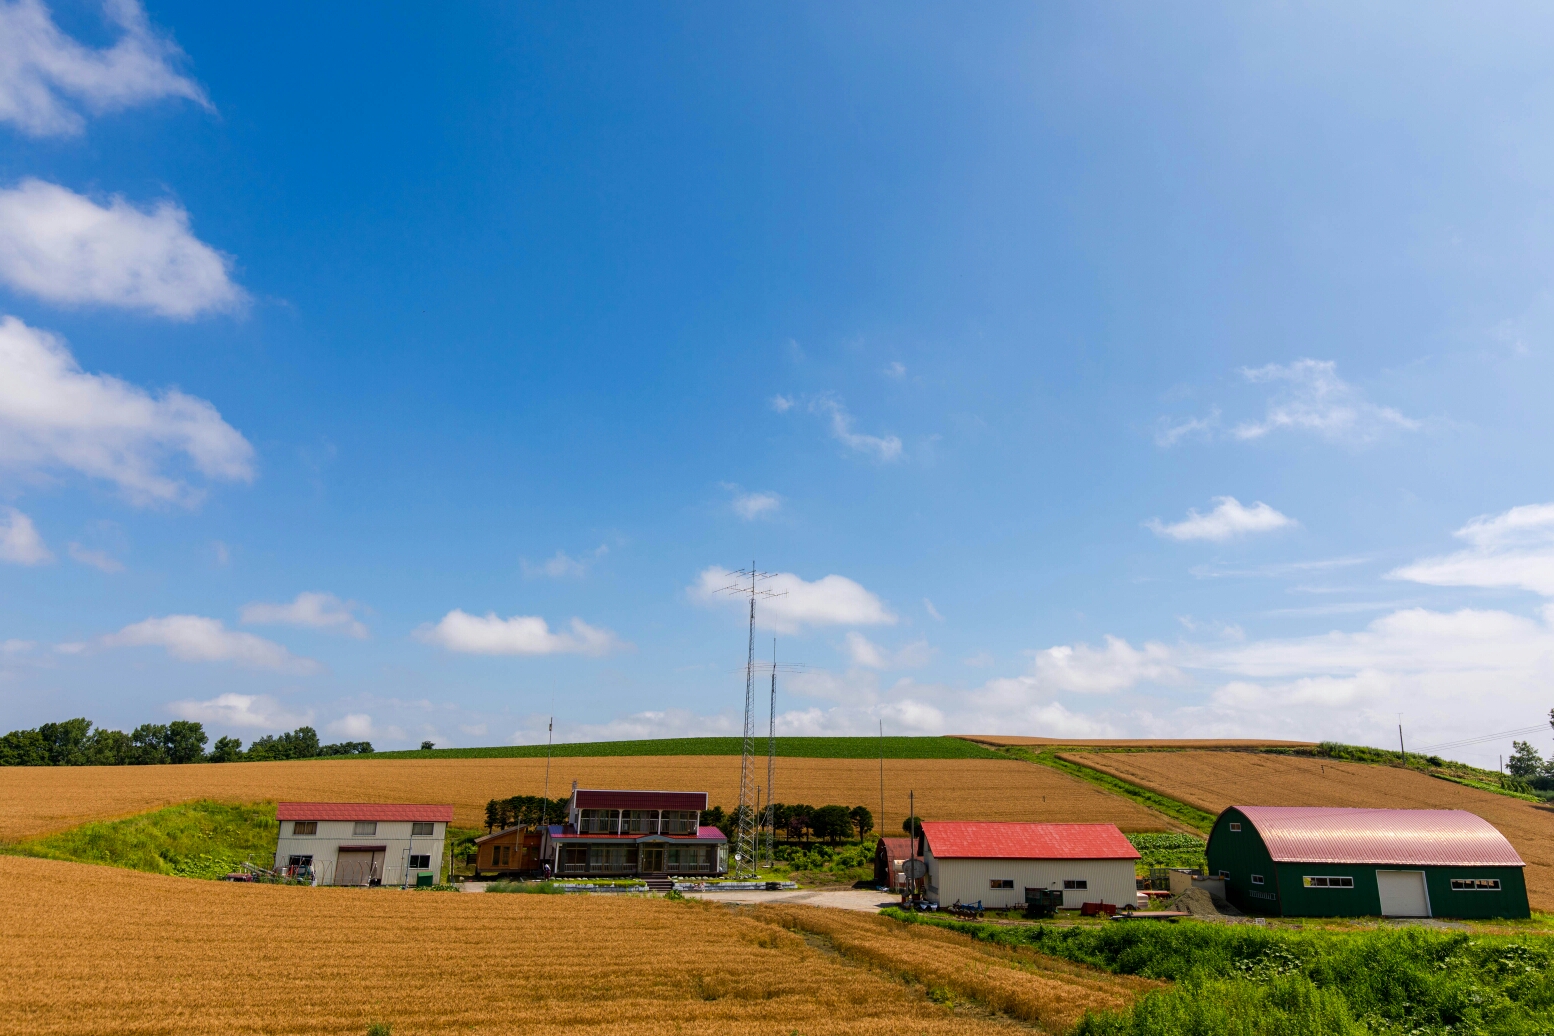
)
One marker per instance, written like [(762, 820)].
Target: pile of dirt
[(1199, 903)]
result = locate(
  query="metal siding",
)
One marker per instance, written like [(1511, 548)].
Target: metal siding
[(1013, 841), (1510, 901), (1111, 881), (1243, 854), (1296, 900), (1382, 837), (332, 835)]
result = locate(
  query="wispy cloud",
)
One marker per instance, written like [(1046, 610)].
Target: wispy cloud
[(20, 543), (98, 559), (1169, 432), (563, 565), (241, 710), (65, 248), (519, 635), (1315, 399), (55, 415), (46, 77), (309, 609), (864, 652), (752, 505), (1512, 549), (195, 638), (1229, 518), (829, 601), (880, 447)]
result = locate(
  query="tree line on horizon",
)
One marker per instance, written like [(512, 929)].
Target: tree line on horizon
[(75, 742)]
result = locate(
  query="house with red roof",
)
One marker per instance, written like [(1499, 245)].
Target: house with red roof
[(998, 863), (362, 843), (648, 834)]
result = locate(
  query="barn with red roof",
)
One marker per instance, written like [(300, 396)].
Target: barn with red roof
[(996, 864), (1329, 861)]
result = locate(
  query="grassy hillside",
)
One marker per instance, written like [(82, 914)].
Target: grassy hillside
[(791, 747), (196, 840)]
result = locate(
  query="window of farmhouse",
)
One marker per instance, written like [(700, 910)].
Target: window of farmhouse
[(679, 822), (304, 827), (299, 861), (574, 860), (365, 827), (1000, 883), (641, 821), (420, 828), (597, 821), (420, 860), (1082, 884)]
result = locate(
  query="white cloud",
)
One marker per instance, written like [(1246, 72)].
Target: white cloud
[(65, 248), (1317, 400), (519, 635), (20, 543), (16, 647), (45, 76), (752, 505), (1229, 518), (355, 726), (932, 611), (1116, 667), (895, 369), (884, 448), (473, 729), (782, 404), (863, 651), (311, 609), (1169, 434), (98, 559), (194, 638), (1513, 549), (242, 710), (564, 565), (55, 415), (829, 601)]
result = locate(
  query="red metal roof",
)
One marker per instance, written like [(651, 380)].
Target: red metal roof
[(1409, 837), (898, 848), (361, 811), (979, 840), (594, 798), (710, 832)]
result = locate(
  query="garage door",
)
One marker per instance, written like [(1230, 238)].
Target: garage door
[(1403, 893), (357, 868)]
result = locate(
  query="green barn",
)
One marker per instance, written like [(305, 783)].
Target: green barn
[(1324, 861)]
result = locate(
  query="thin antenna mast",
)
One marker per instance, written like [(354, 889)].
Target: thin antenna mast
[(745, 843), (770, 820), (550, 734)]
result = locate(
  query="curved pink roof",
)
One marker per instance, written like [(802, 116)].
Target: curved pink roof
[(991, 840), (1405, 837)]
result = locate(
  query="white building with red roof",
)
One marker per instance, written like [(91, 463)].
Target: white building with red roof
[(997, 863), (362, 843)]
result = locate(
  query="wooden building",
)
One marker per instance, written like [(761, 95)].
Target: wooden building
[(512, 850)]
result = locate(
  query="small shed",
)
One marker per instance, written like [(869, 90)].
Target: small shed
[(512, 850), (889, 855), (1329, 861), (998, 863)]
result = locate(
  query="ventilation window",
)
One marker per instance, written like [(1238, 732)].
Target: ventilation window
[(1257, 879), (1475, 884), (1234, 826), (1328, 882)]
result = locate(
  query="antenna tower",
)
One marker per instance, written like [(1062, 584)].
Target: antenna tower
[(745, 845), (770, 820)]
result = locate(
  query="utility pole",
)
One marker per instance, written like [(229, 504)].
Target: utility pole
[(550, 734), (1401, 751), (882, 779)]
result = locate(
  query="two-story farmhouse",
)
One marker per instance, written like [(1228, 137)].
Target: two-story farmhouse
[(634, 834), (361, 843)]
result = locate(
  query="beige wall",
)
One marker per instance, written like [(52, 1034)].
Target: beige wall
[(1110, 881), (393, 835)]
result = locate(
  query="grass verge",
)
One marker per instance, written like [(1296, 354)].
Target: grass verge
[(1181, 812), (200, 839), (1250, 979), (793, 747)]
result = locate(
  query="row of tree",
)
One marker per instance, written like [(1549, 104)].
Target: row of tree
[(75, 742)]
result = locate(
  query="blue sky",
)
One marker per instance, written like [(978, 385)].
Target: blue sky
[(1082, 370)]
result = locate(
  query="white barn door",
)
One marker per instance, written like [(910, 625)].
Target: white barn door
[(1403, 893)]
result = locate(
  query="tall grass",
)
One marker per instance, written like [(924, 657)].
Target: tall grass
[(1250, 979), (195, 840)]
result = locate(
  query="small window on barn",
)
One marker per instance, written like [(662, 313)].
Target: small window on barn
[(304, 827), (1076, 884), (365, 827), (1001, 883), (1225, 875), (420, 861), (1235, 826), (421, 828), (1319, 881), (1475, 884), (1257, 879)]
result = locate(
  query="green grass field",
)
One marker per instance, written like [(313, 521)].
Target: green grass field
[(795, 747), (195, 840)]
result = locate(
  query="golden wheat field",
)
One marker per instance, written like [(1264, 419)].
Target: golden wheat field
[(1213, 780), (38, 800), (1003, 741), (1042, 990), (96, 950)]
